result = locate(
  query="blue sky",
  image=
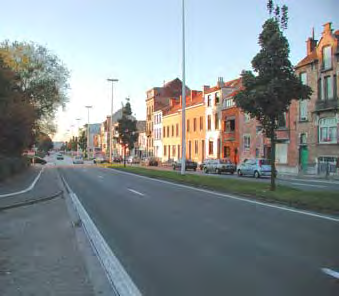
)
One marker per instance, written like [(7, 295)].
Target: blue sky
[(139, 42)]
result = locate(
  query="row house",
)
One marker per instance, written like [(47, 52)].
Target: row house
[(161, 96), (317, 120)]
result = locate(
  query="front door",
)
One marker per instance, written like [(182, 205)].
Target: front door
[(304, 158)]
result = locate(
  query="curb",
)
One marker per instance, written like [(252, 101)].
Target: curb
[(29, 188)]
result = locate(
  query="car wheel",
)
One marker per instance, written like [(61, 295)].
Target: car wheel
[(194, 169), (217, 171), (205, 170), (239, 173), (256, 175)]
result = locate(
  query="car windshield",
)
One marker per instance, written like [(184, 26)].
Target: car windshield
[(225, 161), (264, 162)]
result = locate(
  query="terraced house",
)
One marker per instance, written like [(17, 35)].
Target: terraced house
[(317, 121)]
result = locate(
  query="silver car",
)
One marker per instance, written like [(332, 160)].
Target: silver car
[(78, 160), (256, 167)]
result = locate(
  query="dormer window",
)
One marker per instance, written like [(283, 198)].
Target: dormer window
[(327, 61)]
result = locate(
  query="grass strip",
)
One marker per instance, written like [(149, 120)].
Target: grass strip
[(318, 201)]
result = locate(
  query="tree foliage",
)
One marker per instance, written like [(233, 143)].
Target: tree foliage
[(43, 142), (127, 128), (269, 93), (16, 114), (43, 78), (83, 141)]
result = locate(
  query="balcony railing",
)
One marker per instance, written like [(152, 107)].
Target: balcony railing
[(326, 104)]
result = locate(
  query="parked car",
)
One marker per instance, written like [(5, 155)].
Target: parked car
[(150, 161), (189, 165), (219, 166), (133, 160), (37, 159), (59, 156), (201, 165), (256, 167), (78, 160), (100, 159), (117, 159)]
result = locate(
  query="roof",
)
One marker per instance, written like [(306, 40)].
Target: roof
[(190, 101), (232, 83), (308, 59), (172, 88)]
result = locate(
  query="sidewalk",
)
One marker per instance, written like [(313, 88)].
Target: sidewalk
[(39, 252)]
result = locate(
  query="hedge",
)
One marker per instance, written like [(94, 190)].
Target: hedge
[(12, 165)]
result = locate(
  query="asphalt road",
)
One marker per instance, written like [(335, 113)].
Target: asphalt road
[(176, 240)]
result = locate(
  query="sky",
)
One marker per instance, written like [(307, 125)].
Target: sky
[(140, 43)]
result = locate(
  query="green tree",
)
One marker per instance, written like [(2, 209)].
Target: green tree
[(43, 142), (269, 93), (43, 78), (127, 129), (16, 114), (83, 142)]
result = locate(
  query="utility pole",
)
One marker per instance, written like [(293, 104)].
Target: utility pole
[(183, 97), (88, 130), (111, 123), (78, 136)]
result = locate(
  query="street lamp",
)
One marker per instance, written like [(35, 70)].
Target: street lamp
[(78, 135), (111, 123), (88, 107), (183, 97)]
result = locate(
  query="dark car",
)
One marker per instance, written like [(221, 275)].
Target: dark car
[(189, 165), (150, 161), (219, 166), (60, 156), (37, 159)]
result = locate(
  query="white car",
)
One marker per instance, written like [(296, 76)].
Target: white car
[(78, 160)]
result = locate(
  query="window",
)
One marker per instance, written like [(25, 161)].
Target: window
[(320, 90), (165, 150), (229, 103), (172, 130), (210, 147), (328, 130), (216, 121), (159, 133), (281, 152), (201, 123), (177, 129), (196, 147), (227, 152), (282, 121), (303, 78), (328, 88), (303, 139), (247, 142), (178, 151), (303, 110), (194, 124), (209, 122), (164, 131), (188, 125), (217, 98), (209, 101), (168, 132), (327, 62), (230, 125), (173, 150), (247, 117)]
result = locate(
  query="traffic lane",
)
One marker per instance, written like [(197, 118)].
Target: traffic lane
[(183, 242)]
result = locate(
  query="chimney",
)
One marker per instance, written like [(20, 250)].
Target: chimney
[(311, 43), (206, 88), (327, 29), (220, 82)]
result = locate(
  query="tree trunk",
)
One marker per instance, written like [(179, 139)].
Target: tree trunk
[(125, 156), (273, 175)]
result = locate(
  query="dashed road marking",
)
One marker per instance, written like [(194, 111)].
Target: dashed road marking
[(305, 184), (136, 192), (330, 272)]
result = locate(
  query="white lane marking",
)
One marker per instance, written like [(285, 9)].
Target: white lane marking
[(330, 272), (136, 192), (305, 184), (100, 177), (333, 182), (27, 189), (223, 195), (115, 272)]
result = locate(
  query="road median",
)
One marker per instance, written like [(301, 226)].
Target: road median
[(323, 202)]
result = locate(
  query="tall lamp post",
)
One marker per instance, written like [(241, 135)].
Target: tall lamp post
[(112, 80), (183, 97), (88, 107), (78, 136)]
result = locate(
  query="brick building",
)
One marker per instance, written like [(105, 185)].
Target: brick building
[(317, 124)]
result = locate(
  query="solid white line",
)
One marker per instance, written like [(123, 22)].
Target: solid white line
[(25, 190), (223, 195), (333, 182), (136, 192), (115, 272), (100, 177), (331, 272), (305, 184)]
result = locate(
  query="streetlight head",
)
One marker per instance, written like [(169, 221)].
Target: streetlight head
[(112, 79), (88, 106)]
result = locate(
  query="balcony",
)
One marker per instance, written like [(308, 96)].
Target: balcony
[(326, 105), (229, 136)]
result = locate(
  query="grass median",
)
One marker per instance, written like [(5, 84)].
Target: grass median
[(319, 201)]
